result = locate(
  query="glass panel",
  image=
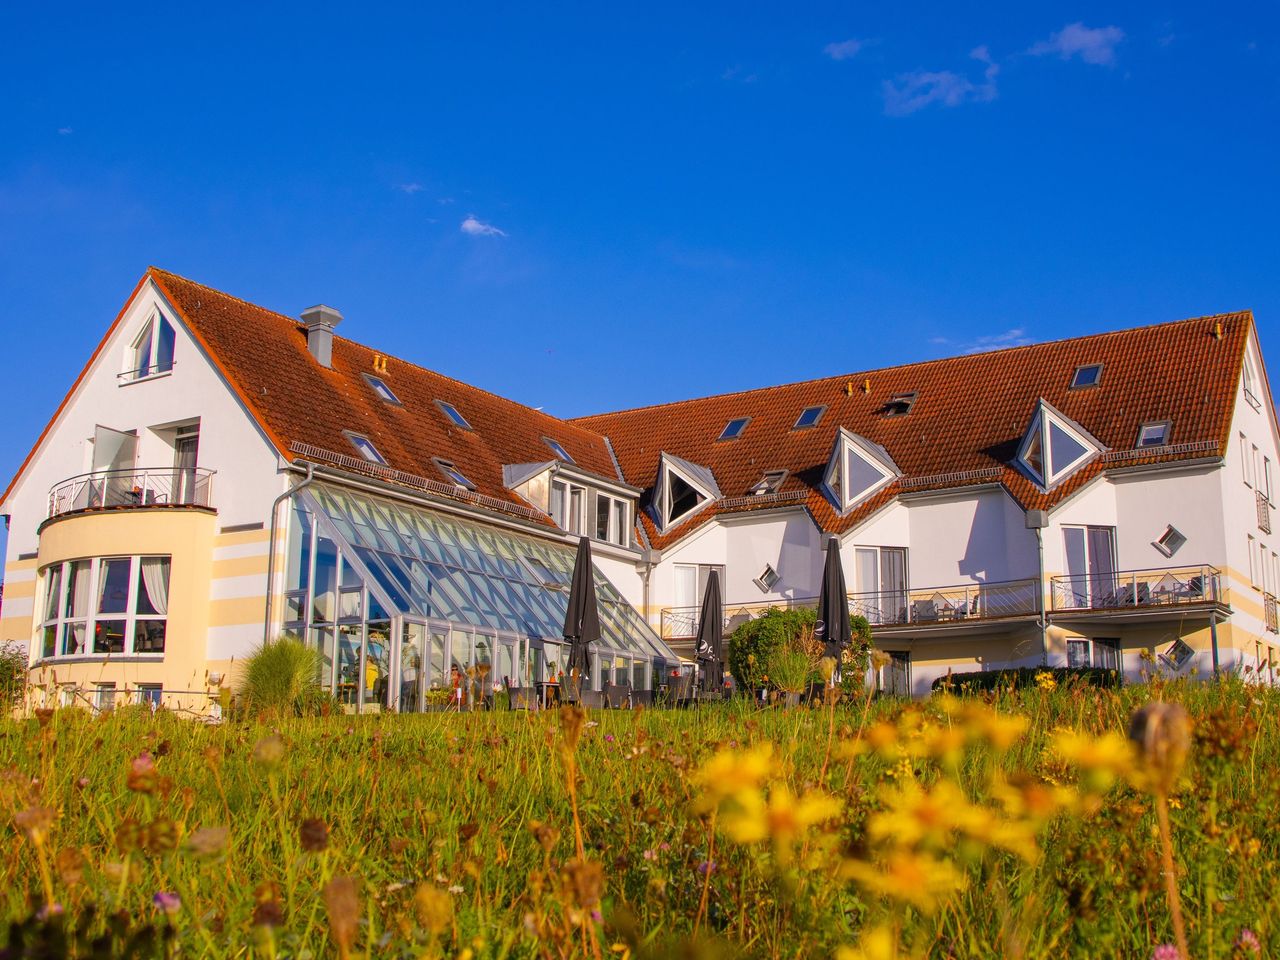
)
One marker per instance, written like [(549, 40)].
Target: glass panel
[(78, 589), (860, 476), (73, 638), (460, 654), (682, 497), (438, 674), (164, 346), (298, 565), (49, 642), (323, 605), (638, 674), (322, 640), (108, 636), (113, 586), (1102, 579), (53, 594), (558, 491), (603, 505), (349, 638), (1077, 653), (148, 636), (349, 604), (142, 352), (1033, 457), (377, 664), (1064, 450), (412, 668), (621, 534), (1077, 568), (153, 586), (575, 510), (1106, 654)]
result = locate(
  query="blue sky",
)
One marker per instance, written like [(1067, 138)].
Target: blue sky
[(588, 208)]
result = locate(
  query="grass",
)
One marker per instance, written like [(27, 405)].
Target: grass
[(455, 835)]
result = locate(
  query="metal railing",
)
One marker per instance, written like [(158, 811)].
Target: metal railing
[(762, 499), (1270, 613), (1264, 511), (132, 487), (1123, 589), (1164, 450), (926, 605)]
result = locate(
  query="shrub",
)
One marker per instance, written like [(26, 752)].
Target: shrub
[(13, 673), (753, 644), (283, 675), (789, 670), (982, 681)]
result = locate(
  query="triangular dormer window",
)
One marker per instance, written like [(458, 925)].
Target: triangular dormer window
[(683, 488), (858, 467), (1054, 447)]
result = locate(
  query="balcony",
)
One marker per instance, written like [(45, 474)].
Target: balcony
[(1269, 612), (963, 604), (132, 488), (1264, 512), (1126, 590)]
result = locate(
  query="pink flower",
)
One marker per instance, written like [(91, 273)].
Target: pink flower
[(1166, 951), (1248, 940), (167, 903)]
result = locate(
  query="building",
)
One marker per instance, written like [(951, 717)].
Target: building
[(219, 473)]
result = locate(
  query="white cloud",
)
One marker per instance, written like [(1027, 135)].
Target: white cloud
[(910, 92), (65, 131), (1013, 337), (739, 74), (1096, 45), (478, 228), (409, 188), (844, 50)]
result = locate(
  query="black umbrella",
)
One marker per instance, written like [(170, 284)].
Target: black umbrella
[(833, 627), (711, 635), (582, 619)]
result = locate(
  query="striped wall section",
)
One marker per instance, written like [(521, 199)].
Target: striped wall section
[(19, 601), (237, 593)]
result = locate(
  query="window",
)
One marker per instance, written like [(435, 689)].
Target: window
[(1089, 375), (1254, 574), (1154, 434), (1265, 479), (1091, 567), (809, 417), (683, 488), (880, 577), (104, 697), (558, 450), (454, 475), (364, 446), (1054, 447), (771, 482), (1177, 654), (112, 605), (691, 587), (1250, 391), (1170, 541), (568, 502), (611, 519), (1255, 466), (1246, 471), (1077, 654), (381, 389), (857, 469), (899, 404), (768, 578), (150, 694), (452, 413), (733, 429), (151, 352)]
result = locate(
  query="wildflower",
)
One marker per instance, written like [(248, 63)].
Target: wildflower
[(268, 911), (207, 841), (313, 835), (920, 879), (608, 738), (733, 773), (1162, 735), (571, 720), (70, 865), (343, 906), (585, 879), (876, 944), (1248, 941), (456, 889), (1166, 951), (142, 774), (783, 818), (1046, 681), (269, 751), (167, 903), (35, 822), (162, 835), (434, 907), (48, 911), (1103, 759)]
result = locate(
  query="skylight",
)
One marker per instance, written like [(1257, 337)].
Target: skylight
[(1089, 375), (558, 450), (733, 429), (858, 468), (1054, 447), (366, 448), (1154, 434), (450, 411), (456, 477), (769, 483), (900, 404), (381, 389), (809, 417)]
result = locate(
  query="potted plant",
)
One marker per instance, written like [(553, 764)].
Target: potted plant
[(790, 671)]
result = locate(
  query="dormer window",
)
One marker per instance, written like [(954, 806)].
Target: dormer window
[(1054, 447), (733, 429), (1154, 434), (454, 475), (858, 468), (1088, 375), (381, 389), (899, 404), (151, 352), (450, 411), (365, 448), (683, 489), (558, 450), (809, 417), (769, 483)]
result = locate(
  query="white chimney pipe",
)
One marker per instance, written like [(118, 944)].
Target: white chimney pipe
[(320, 321)]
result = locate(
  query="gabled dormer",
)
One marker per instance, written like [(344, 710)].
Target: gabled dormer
[(857, 468), (682, 489), (1054, 447)]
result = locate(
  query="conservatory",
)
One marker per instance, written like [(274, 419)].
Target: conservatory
[(397, 598)]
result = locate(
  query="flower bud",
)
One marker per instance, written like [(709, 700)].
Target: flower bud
[(1162, 735)]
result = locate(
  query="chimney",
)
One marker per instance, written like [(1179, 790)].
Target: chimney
[(320, 321)]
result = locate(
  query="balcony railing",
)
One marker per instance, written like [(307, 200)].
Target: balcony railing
[(1125, 589), (1264, 512), (1269, 609), (926, 605), (133, 487)]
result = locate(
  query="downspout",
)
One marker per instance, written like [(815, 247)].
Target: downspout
[(271, 547), (1037, 520), (1213, 642)]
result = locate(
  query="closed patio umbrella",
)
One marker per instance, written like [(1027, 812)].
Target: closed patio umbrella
[(582, 619), (833, 627), (711, 636)]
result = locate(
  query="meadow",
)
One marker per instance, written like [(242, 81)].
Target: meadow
[(1016, 824)]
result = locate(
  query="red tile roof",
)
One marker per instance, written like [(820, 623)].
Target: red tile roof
[(969, 416)]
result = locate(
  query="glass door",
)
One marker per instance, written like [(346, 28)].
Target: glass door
[(1091, 565), (185, 449), (413, 666), (893, 582)]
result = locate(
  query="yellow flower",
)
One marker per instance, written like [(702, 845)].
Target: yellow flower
[(1045, 680), (919, 879), (876, 944), (1101, 759), (733, 773), (914, 816), (784, 818)]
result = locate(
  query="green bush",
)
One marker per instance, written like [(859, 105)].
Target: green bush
[(283, 676), (986, 680), (753, 645), (790, 670), (13, 673)]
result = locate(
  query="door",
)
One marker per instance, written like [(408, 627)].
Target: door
[(893, 581), (413, 666), (897, 674), (185, 449), (1091, 566), (114, 452), (685, 605)]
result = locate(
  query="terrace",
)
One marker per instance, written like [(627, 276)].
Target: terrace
[(131, 488), (1147, 591)]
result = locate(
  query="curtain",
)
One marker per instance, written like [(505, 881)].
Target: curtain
[(79, 589), (155, 577)]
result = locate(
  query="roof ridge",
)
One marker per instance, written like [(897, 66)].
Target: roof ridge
[(296, 322), (1230, 314)]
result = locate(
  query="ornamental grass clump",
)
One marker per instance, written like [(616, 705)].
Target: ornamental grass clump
[(281, 677)]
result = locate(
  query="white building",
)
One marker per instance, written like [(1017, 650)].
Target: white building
[(1083, 501)]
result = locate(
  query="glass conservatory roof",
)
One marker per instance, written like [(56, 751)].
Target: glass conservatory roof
[(435, 566)]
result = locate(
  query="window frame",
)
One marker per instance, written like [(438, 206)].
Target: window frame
[(616, 525), (819, 410), (1097, 379), (150, 331), (452, 473), (558, 449), (1166, 427), (382, 389), (1171, 533), (65, 619), (765, 486), (453, 415), (726, 435), (356, 439), (569, 489)]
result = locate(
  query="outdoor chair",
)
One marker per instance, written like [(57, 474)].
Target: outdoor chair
[(923, 610), (617, 696)]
